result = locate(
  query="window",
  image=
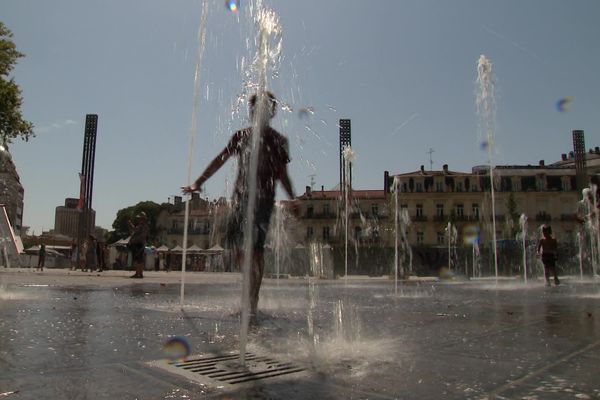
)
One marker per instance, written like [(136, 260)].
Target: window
[(419, 187), (439, 210), (419, 210), (326, 233), (528, 183), (375, 209), (326, 209), (460, 210), (439, 186), (310, 211), (309, 232), (441, 237), (459, 186), (475, 210), (404, 187), (420, 237), (404, 206)]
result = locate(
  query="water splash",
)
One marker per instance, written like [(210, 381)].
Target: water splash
[(348, 157), (452, 236), (486, 109), (522, 236), (267, 60), (193, 133)]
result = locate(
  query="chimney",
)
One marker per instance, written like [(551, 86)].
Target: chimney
[(563, 157), (571, 154), (322, 188), (542, 163), (195, 195), (445, 167), (422, 168), (308, 191), (177, 200), (597, 150), (386, 180)]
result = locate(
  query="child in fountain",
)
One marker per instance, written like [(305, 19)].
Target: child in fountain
[(547, 248), (273, 158)]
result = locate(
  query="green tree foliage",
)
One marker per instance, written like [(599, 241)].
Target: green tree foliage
[(12, 124), (121, 227)]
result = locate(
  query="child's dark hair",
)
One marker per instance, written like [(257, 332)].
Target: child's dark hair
[(547, 230), (270, 97)]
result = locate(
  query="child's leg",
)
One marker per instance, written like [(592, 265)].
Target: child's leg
[(555, 273), (547, 274)]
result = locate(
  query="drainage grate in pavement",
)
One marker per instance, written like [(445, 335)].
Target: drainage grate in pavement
[(225, 370)]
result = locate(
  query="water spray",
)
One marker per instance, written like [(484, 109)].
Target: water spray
[(193, 132)]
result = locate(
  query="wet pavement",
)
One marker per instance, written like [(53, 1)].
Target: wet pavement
[(74, 335)]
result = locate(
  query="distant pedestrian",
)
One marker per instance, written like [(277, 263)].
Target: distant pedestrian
[(41, 257), (74, 256), (548, 249), (91, 255), (137, 243), (168, 261), (101, 254), (161, 261)]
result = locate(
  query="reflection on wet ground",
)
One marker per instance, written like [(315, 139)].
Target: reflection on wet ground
[(77, 339)]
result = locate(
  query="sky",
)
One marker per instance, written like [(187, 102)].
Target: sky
[(404, 72)]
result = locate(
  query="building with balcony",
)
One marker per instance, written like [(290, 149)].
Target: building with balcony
[(206, 222)]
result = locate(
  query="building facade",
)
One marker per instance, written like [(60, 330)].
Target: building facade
[(11, 191), (206, 222), (66, 219)]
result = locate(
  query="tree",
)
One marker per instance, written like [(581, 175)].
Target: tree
[(121, 228), (12, 124)]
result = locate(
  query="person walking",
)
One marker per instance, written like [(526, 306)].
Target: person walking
[(547, 248), (137, 243), (41, 257), (273, 158), (91, 255)]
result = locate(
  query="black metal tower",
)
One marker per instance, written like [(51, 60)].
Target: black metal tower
[(86, 222), (580, 163)]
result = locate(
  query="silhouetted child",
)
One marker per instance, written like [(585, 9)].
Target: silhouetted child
[(548, 247), (273, 158)]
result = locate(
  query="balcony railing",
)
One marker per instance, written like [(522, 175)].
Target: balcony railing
[(179, 231), (323, 215)]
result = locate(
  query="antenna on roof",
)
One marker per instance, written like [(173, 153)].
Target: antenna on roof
[(430, 152), (312, 181)]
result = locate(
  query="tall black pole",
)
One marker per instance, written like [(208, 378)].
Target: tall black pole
[(87, 180)]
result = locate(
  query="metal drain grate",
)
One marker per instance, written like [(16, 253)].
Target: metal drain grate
[(225, 370)]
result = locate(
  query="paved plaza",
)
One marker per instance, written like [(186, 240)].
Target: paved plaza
[(75, 335)]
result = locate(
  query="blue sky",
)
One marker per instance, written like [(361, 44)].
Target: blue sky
[(403, 71)]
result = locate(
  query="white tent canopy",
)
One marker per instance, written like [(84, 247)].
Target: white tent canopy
[(194, 249), (216, 249)]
